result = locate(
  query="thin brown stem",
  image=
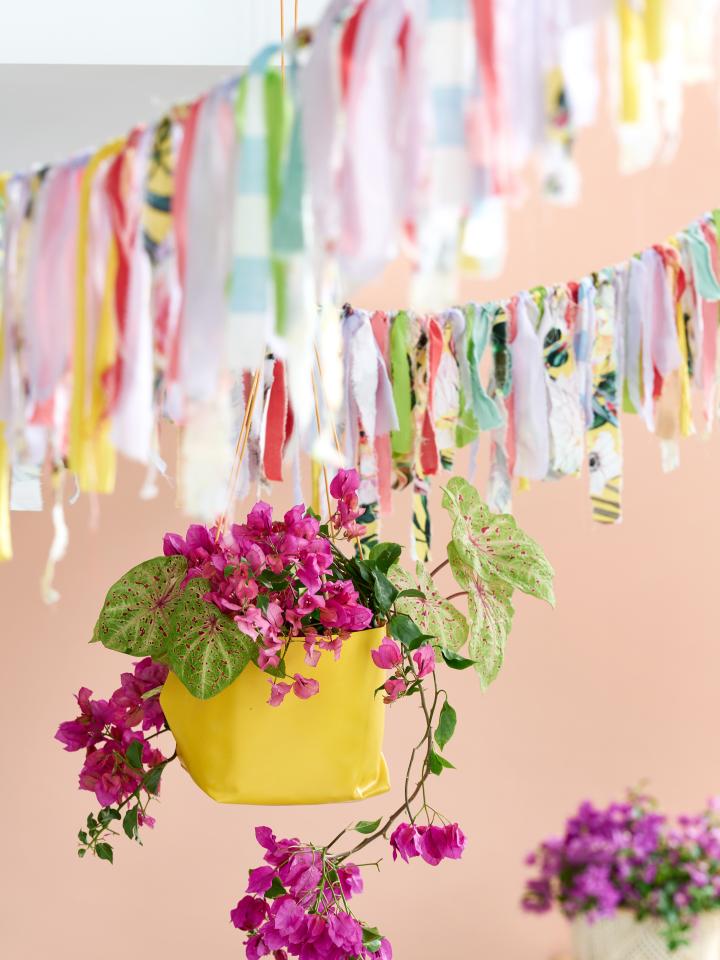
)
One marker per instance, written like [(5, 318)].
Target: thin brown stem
[(382, 831), (439, 567), (460, 593)]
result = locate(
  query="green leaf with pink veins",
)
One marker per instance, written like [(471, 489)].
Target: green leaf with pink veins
[(490, 615), (135, 618), (431, 613), (207, 651), (493, 545)]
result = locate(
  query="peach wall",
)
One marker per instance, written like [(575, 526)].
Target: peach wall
[(619, 683)]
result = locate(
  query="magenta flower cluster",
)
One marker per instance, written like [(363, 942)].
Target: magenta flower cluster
[(297, 905), (629, 856), (276, 580), (389, 656), (106, 729), (433, 843)]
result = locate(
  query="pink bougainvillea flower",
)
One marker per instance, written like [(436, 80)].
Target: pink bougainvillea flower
[(333, 644), (260, 880), (252, 622), (249, 913), (385, 951), (388, 655), (288, 920), (255, 948), (346, 933), (278, 692), (304, 687), (424, 658), (350, 880), (87, 729), (454, 841), (405, 842), (432, 845), (394, 687), (345, 483), (269, 656), (109, 778), (312, 652)]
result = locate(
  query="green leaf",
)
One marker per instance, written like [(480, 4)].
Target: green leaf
[(133, 754), (130, 823), (367, 826), (438, 763), (372, 939), (104, 851), (81, 852), (433, 614), (206, 649), (455, 661), (276, 890), (384, 591), (82, 836), (491, 614), (262, 601), (107, 815), (151, 783), (135, 618), (493, 545), (384, 555), (402, 629), (446, 725)]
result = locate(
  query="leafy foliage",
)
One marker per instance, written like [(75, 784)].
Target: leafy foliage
[(446, 725), (135, 618), (206, 650), (420, 601), (490, 616), (493, 546)]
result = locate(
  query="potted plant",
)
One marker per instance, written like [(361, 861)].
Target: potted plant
[(634, 884), (241, 630)]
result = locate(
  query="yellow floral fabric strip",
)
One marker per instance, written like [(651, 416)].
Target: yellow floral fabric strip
[(91, 454)]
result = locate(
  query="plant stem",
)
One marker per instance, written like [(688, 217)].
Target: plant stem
[(439, 567), (382, 831), (460, 593)]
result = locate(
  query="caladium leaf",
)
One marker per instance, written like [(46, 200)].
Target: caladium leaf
[(493, 544), (430, 612), (135, 618), (490, 613), (206, 650)]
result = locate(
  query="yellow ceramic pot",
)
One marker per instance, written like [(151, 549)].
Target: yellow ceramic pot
[(323, 750)]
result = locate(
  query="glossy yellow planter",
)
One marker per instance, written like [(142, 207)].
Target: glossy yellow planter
[(323, 750)]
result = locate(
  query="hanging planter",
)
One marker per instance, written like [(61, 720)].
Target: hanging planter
[(324, 750), (243, 617), (270, 654), (622, 937)]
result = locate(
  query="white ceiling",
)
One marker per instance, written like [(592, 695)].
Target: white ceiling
[(201, 32), (48, 113)]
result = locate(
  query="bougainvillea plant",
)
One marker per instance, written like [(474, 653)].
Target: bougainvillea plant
[(628, 856), (219, 600)]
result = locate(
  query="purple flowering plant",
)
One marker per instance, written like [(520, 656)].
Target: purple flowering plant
[(629, 856), (219, 600)]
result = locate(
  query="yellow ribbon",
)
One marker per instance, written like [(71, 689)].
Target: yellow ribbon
[(632, 52), (91, 454)]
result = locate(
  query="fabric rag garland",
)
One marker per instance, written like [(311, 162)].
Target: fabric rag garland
[(164, 274)]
